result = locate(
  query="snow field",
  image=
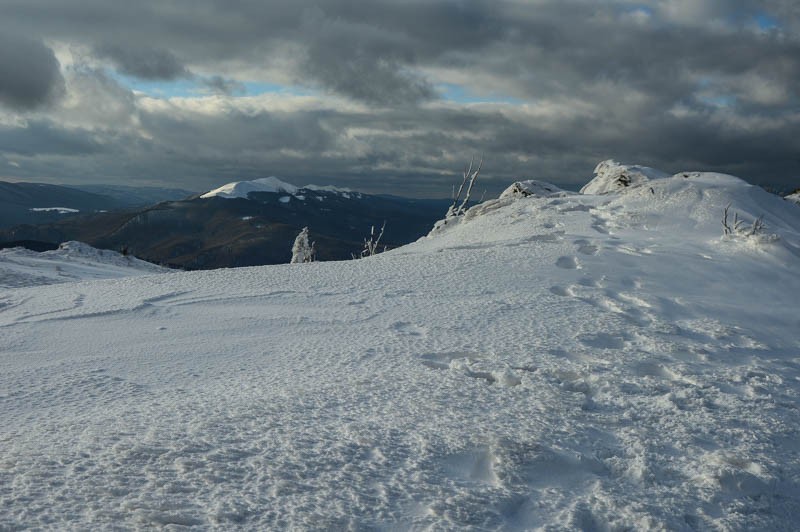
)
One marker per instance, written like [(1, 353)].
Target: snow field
[(579, 362)]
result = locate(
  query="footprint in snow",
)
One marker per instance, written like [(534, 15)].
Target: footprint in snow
[(650, 368), (472, 365), (443, 360), (599, 225), (473, 466), (561, 291), (588, 282), (585, 247), (406, 328), (627, 308), (602, 341), (567, 263)]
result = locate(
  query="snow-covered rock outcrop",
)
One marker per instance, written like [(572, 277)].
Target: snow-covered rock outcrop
[(532, 187), (794, 197), (611, 176)]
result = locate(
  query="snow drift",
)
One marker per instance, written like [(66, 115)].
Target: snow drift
[(72, 261), (570, 361)]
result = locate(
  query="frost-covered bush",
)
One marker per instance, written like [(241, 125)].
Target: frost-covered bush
[(371, 243), (468, 180), (739, 228), (302, 251)]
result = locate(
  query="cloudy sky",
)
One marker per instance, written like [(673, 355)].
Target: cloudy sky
[(395, 95)]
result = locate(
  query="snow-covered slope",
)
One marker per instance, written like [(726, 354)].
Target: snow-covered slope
[(570, 362), (72, 261)]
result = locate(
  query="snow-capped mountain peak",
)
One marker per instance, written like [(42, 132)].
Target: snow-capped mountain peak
[(241, 189)]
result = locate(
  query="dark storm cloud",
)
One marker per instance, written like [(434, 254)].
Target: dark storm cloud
[(370, 68), (46, 138), (234, 135), (677, 84), (29, 72), (144, 63)]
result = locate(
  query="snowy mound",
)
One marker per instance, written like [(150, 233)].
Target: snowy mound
[(794, 197), (610, 176), (72, 261), (688, 203), (572, 362), (241, 189), (531, 187)]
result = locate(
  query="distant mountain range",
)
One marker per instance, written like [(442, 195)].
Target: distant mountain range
[(137, 196), (39, 203), (243, 224), (35, 203)]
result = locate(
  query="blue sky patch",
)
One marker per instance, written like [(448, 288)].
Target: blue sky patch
[(458, 93)]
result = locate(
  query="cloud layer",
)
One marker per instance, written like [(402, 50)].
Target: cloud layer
[(393, 95)]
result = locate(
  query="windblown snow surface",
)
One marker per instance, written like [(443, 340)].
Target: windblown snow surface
[(595, 362)]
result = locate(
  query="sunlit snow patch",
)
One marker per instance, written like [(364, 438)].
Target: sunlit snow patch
[(59, 210)]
